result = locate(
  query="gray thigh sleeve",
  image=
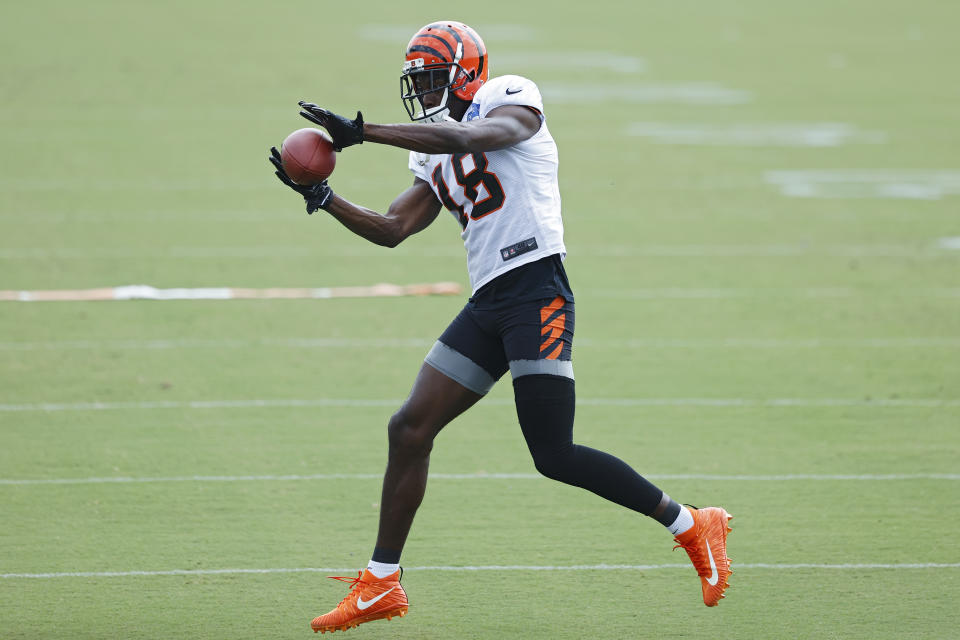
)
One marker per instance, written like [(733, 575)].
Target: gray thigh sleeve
[(563, 368), (459, 367)]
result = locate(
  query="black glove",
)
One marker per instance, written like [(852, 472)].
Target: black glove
[(343, 131), (317, 196)]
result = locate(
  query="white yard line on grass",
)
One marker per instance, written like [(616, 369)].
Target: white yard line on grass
[(505, 568), (696, 93), (227, 343), (732, 293), (397, 34), (395, 402), (139, 293), (886, 477), (807, 134), (569, 59), (910, 342), (909, 184), (939, 248)]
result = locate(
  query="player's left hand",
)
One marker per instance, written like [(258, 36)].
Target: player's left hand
[(317, 196), (345, 132)]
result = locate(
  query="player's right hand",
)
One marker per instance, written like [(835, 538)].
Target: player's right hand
[(317, 196), (345, 132)]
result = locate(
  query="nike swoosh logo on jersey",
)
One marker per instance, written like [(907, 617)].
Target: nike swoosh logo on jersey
[(714, 576), (364, 605), (510, 93)]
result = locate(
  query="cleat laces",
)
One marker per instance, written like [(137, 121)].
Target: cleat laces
[(697, 555), (355, 585)]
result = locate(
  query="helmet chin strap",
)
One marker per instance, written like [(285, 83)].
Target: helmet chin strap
[(439, 116), (441, 112)]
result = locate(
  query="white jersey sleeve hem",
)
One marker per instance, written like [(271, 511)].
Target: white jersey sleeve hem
[(506, 90)]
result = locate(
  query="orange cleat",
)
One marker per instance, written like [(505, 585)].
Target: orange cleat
[(706, 544), (370, 598)]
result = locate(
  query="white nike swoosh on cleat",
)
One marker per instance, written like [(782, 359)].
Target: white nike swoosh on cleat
[(714, 576), (364, 605)]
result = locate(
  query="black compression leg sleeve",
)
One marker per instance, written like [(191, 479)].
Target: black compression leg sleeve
[(545, 407)]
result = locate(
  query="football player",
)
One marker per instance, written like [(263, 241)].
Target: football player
[(480, 148)]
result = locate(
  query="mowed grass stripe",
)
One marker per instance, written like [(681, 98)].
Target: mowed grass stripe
[(882, 477), (935, 249), (724, 293), (924, 403), (650, 293), (582, 567), (909, 342)]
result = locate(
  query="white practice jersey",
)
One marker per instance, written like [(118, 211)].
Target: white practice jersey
[(507, 202)]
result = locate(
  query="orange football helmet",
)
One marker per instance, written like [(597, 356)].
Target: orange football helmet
[(443, 56)]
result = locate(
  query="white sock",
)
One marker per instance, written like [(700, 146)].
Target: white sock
[(684, 522), (382, 569)]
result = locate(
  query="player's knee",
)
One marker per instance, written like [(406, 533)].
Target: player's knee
[(548, 467), (555, 464), (409, 435), (545, 408)]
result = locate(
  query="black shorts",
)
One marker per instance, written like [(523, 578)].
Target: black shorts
[(522, 321)]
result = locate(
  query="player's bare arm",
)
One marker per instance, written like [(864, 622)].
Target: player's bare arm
[(503, 127), (410, 212)]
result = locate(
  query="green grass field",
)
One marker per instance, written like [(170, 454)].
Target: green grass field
[(786, 345)]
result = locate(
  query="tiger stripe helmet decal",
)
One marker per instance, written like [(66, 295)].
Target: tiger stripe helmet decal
[(443, 56)]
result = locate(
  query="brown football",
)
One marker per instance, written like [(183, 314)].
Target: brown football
[(308, 156)]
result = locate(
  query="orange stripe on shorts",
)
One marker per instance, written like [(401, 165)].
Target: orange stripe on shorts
[(554, 327)]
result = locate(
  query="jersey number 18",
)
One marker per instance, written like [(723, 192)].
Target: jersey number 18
[(470, 181)]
